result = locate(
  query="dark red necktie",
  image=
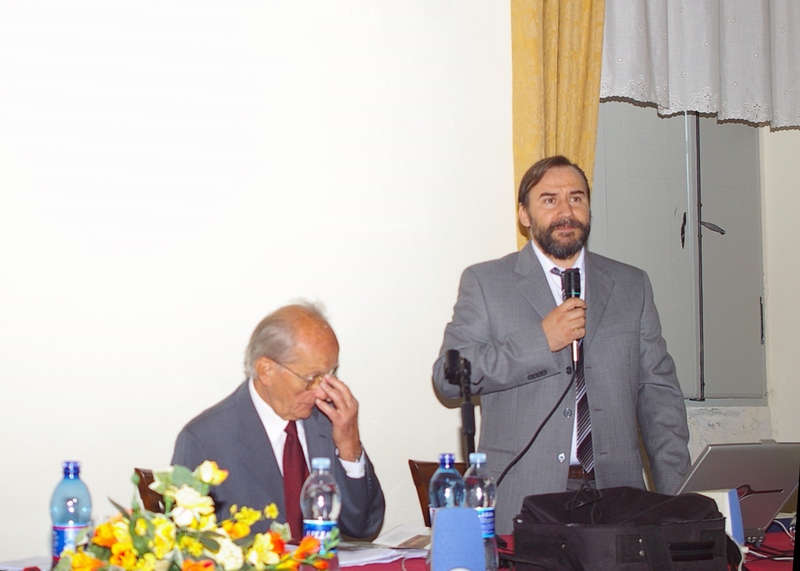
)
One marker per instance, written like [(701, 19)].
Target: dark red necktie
[(295, 473)]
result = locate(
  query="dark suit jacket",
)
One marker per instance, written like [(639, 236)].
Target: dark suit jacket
[(231, 434), (630, 378)]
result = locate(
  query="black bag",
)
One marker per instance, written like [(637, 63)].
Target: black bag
[(619, 528)]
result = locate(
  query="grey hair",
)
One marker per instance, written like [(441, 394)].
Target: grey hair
[(274, 337)]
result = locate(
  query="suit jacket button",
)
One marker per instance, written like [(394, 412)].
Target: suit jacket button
[(568, 412), (562, 457), (569, 370), (531, 377)]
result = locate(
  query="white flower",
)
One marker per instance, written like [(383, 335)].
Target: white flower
[(209, 473), (190, 506), (229, 556)]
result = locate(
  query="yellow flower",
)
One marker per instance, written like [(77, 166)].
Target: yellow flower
[(85, 562), (209, 473), (191, 545), (287, 563), (121, 531), (123, 555), (248, 516), (140, 527), (271, 511), (263, 551), (146, 563), (236, 529), (190, 505), (104, 535), (164, 537), (205, 523)]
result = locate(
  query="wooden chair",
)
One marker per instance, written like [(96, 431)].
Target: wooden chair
[(421, 473), (151, 501)]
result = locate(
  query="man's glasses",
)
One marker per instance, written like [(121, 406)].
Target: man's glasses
[(311, 380)]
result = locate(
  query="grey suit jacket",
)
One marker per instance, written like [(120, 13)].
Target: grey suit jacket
[(231, 433), (630, 378)]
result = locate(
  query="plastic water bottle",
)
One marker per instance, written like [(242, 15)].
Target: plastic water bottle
[(70, 509), (481, 495), (446, 488), (321, 503)]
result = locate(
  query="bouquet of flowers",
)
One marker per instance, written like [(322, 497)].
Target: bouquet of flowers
[(188, 536)]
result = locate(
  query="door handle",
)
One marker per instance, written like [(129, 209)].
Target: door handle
[(713, 227), (683, 231)]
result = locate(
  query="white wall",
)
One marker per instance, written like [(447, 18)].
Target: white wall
[(172, 171), (780, 205)]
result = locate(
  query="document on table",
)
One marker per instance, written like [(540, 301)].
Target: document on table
[(402, 542)]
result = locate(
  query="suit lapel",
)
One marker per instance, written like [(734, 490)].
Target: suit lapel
[(533, 286), (598, 291), (318, 439), (532, 283), (257, 455)]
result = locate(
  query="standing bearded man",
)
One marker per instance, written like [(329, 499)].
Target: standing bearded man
[(512, 323)]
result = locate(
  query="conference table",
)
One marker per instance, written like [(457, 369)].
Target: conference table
[(775, 541)]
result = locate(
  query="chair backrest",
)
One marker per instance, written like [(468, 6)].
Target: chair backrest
[(151, 501), (421, 472)]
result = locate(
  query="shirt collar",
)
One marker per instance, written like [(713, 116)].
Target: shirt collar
[(553, 280), (273, 424), (548, 264)]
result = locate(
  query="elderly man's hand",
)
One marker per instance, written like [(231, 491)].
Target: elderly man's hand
[(341, 408)]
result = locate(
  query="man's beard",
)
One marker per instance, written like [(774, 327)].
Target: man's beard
[(560, 249)]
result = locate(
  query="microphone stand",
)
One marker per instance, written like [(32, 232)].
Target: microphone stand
[(457, 371)]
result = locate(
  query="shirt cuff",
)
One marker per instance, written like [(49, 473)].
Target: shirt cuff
[(357, 469)]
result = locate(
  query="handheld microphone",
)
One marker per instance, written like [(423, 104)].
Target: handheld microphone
[(571, 287)]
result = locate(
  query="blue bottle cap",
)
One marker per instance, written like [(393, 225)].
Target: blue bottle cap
[(71, 467), (477, 458), (321, 463), (447, 459)]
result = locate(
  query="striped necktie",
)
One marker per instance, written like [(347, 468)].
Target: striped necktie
[(585, 452)]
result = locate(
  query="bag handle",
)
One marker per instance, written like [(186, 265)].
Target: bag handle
[(656, 551)]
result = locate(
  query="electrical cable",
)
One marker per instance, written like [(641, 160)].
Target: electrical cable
[(522, 453)]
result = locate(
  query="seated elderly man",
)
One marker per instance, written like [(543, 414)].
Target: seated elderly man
[(291, 408)]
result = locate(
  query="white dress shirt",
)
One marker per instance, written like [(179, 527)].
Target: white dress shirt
[(555, 287), (275, 427)]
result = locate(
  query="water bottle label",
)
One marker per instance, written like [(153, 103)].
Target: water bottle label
[(486, 517), (64, 537), (321, 530)]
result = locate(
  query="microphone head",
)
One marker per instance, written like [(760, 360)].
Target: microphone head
[(571, 283), (452, 366)]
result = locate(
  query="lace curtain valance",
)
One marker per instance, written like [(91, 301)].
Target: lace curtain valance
[(739, 59)]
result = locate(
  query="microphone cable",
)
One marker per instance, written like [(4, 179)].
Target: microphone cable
[(522, 453)]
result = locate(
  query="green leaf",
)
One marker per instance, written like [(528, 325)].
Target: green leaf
[(64, 564), (141, 542), (122, 510), (209, 540), (182, 475)]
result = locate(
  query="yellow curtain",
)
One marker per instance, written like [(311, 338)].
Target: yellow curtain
[(557, 48)]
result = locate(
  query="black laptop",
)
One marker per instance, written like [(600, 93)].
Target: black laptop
[(765, 474)]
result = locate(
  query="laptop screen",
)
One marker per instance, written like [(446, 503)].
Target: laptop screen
[(764, 474)]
